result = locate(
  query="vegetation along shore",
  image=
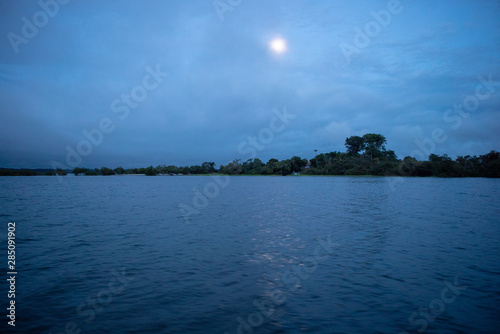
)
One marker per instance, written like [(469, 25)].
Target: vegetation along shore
[(365, 155)]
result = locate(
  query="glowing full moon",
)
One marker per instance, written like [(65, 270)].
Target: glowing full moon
[(278, 45)]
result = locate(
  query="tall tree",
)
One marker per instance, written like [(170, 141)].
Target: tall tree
[(354, 144), (374, 144)]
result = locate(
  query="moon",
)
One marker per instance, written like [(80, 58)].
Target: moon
[(278, 45)]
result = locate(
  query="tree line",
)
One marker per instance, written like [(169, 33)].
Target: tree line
[(365, 155), (31, 172), (204, 168)]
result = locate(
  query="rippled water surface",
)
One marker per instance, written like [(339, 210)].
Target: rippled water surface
[(261, 255)]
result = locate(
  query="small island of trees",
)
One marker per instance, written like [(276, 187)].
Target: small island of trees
[(365, 155)]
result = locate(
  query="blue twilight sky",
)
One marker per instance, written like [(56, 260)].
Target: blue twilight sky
[(77, 64)]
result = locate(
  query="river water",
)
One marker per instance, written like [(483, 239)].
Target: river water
[(201, 254)]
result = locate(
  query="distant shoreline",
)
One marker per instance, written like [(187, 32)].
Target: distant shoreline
[(365, 156), (258, 175)]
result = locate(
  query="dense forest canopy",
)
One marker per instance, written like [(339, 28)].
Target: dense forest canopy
[(365, 155)]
